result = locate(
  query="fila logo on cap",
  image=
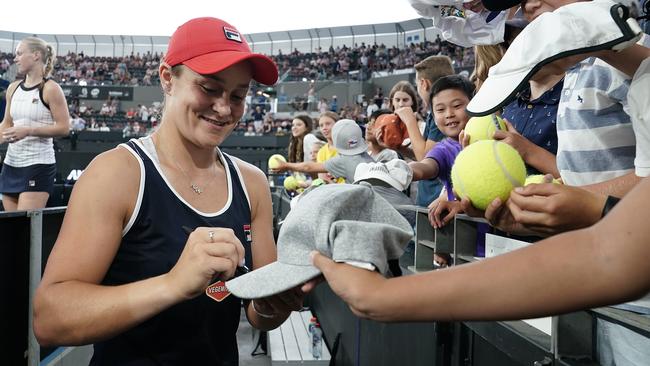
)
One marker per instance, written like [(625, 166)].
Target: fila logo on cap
[(352, 143), (232, 34)]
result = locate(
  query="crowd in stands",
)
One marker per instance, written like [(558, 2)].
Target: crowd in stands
[(340, 61), (134, 121), (73, 68), (336, 63)]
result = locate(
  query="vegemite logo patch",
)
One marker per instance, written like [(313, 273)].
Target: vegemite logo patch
[(232, 34), (217, 291)]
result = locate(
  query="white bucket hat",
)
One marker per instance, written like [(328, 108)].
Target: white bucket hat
[(395, 172), (572, 29)]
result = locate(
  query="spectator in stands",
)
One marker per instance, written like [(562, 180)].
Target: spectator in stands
[(241, 128), (155, 293), (268, 127), (334, 104), (104, 127), (403, 100), (105, 110), (376, 151), (372, 107), (258, 119), (301, 139), (250, 131), (386, 103), (130, 114), (323, 105), (352, 150), (27, 177), (78, 123), (144, 114), (93, 124), (485, 57), (325, 123), (315, 147), (4, 84), (83, 109), (449, 97), (427, 72)]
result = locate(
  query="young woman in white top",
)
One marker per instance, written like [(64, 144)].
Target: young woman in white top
[(36, 112)]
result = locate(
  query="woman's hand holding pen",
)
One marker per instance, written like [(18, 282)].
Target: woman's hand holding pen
[(210, 253)]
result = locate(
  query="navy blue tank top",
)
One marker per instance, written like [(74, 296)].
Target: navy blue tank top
[(200, 331)]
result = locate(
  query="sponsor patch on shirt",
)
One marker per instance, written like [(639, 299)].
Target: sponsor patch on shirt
[(217, 291), (247, 232)]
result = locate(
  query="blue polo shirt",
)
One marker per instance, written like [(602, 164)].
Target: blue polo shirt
[(430, 189), (535, 119)]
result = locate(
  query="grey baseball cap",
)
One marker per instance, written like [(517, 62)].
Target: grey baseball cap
[(345, 222), (348, 138)]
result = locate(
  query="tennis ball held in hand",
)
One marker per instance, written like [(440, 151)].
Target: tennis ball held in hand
[(483, 128), (486, 170), (273, 163), (539, 179), (290, 183)]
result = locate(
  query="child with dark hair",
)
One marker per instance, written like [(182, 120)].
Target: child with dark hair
[(449, 97)]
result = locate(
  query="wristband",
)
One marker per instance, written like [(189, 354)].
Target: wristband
[(267, 316), (609, 204)]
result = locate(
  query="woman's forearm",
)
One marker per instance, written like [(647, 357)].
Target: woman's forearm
[(56, 130), (74, 312)]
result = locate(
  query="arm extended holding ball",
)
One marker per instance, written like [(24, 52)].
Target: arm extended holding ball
[(425, 169), (305, 167)]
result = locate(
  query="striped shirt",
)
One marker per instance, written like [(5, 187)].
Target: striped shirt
[(640, 112), (29, 110), (596, 139)]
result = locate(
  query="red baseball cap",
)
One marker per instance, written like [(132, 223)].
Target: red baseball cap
[(209, 45), (393, 130)]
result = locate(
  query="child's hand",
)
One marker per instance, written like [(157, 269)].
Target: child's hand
[(514, 139), (379, 136), (407, 116), (498, 215), (463, 139), (280, 167), (447, 208)]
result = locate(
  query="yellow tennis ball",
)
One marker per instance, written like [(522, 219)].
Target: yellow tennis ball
[(290, 183), (537, 179), (482, 128), (273, 164), (486, 170)]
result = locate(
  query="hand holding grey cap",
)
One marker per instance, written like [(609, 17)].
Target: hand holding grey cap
[(572, 29), (345, 222)]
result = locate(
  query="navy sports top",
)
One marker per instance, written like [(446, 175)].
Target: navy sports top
[(200, 331)]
